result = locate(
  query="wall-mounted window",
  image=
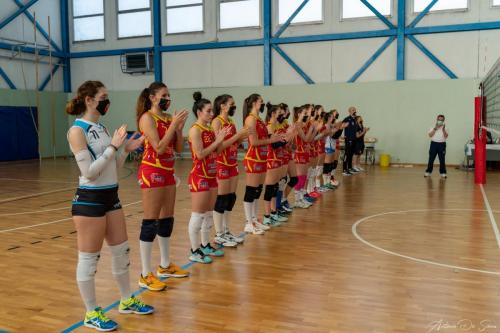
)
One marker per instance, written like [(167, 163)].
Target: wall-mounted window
[(239, 14), (357, 9), (312, 12), (184, 16), (88, 20), (496, 2), (419, 5), (134, 18)]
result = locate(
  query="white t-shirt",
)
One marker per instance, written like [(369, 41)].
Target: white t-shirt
[(439, 135)]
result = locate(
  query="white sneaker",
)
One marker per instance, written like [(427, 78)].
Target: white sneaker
[(427, 174), (261, 226), (251, 229), (335, 183), (443, 175), (360, 169), (234, 238), (223, 240)]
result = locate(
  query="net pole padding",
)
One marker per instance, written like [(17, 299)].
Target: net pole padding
[(479, 142)]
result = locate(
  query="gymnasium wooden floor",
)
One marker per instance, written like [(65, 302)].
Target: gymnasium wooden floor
[(431, 263)]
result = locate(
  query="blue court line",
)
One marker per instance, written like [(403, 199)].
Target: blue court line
[(135, 293)]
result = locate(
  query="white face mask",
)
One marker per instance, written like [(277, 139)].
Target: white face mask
[(440, 122)]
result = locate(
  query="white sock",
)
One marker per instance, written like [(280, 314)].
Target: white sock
[(85, 272), (326, 179), (225, 221), (255, 212), (87, 291), (164, 243), (218, 222), (194, 230), (248, 208), (318, 182), (119, 267), (298, 196), (206, 226), (146, 248)]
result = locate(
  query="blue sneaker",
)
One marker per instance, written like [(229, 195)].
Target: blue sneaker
[(134, 305), (97, 320), (199, 256), (309, 199), (210, 251), (286, 206)]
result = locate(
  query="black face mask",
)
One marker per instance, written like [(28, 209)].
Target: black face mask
[(164, 104), (262, 107), (232, 110), (354, 114), (305, 119), (317, 117), (337, 116), (103, 106), (287, 115), (281, 118)]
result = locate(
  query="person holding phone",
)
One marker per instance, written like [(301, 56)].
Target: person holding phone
[(438, 134)]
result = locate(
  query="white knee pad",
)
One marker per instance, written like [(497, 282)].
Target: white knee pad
[(120, 258), (319, 170), (195, 222), (282, 184), (87, 266), (208, 222)]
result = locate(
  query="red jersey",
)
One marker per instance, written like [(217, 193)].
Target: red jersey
[(300, 145), (207, 167), (259, 153), (229, 156), (150, 157)]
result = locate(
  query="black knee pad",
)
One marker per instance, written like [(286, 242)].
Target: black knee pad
[(258, 192), (268, 193), (231, 201), (148, 230), (293, 181), (335, 164), (250, 192), (327, 168), (220, 204), (165, 226)]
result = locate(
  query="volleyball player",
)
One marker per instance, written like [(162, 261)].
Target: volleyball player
[(289, 167), (304, 135)]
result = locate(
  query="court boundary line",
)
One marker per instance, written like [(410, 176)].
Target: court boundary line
[(35, 195), (38, 180), (424, 261), (490, 214)]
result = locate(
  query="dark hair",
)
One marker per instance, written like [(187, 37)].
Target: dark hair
[(318, 107), (284, 106), (270, 110), (199, 103), (326, 116), (219, 100), (247, 105), (296, 111), (76, 106), (441, 116), (144, 102)]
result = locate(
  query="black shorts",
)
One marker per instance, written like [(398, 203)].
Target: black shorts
[(95, 203), (359, 148)]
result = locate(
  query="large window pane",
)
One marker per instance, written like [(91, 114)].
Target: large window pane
[(88, 28), (419, 5), (87, 7), (132, 4), (238, 14), (312, 12), (184, 19), (355, 8), (171, 3), (496, 2), (134, 24)]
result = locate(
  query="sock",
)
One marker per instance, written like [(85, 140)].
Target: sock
[(146, 248), (119, 266), (85, 272), (318, 182), (206, 226), (255, 210), (248, 208), (326, 178), (225, 222), (164, 243), (218, 222), (194, 230)]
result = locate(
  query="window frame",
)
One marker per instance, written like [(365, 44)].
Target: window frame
[(167, 7), (493, 6), (86, 16), (322, 21), (128, 11), (253, 27), (370, 17), (439, 11)]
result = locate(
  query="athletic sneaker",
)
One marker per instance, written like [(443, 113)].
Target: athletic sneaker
[(323, 189), (279, 218), (360, 169), (427, 174), (234, 238), (285, 205), (309, 199), (151, 282), (353, 171), (314, 194), (210, 251), (347, 173), (335, 183), (269, 222), (251, 229), (443, 175), (134, 305), (97, 320), (329, 186), (223, 240), (171, 271), (199, 256), (261, 226)]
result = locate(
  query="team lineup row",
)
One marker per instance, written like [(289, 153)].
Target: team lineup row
[(282, 156)]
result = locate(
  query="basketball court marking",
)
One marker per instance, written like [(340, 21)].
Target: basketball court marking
[(490, 214), (422, 261)]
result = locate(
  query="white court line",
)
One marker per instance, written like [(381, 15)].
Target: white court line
[(53, 222), (37, 180), (34, 211), (423, 261), (490, 213), (36, 194)]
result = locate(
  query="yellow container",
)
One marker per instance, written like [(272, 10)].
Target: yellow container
[(385, 160)]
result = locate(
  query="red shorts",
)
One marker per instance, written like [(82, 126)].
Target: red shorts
[(151, 177), (301, 157), (226, 172), (286, 158), (198, 183), (313, 152), (254, 167), (273, 164)]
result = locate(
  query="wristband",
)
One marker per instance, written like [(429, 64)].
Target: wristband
[(114, 147)]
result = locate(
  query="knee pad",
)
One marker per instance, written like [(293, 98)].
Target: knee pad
[(220, 204), (148, 230), (87, 266), (195, 222), (293, 181), (335, 164), (208, 222), (258, 192), (319, 170), (282, 184), (268, 194), (326, 168), (120, 258), (231, 201), (165, 226), (250, 193)]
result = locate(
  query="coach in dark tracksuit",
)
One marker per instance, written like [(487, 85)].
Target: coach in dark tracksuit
[(350, 140)]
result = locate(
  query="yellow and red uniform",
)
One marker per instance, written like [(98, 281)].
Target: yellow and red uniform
[(203, 174), (302, 147), (287, 149), (274, 155), (256, 157), (158, 170), (320, 144), (227, 160)]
